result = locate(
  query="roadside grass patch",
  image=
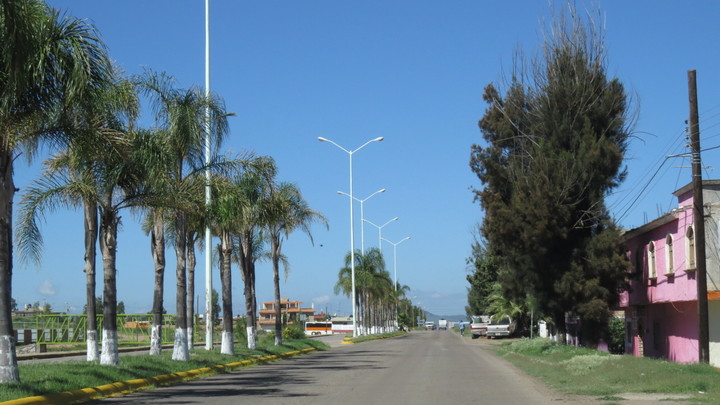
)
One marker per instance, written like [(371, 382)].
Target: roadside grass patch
[(365, 338), (581, 371), (47, 378)]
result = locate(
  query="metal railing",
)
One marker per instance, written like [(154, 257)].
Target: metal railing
[(67, 329)]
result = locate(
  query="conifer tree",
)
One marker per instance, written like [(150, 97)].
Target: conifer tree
[(554, 146)]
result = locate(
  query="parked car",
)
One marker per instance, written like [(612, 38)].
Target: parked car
[(502, 328), (429, 325), (478, 325)]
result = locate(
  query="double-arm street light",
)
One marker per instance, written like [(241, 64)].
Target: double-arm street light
[(395, 255), (395, 270), (362, 215), (352, 227), (380, 227)]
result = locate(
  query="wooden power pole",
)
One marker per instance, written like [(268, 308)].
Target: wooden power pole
[(699, 223)]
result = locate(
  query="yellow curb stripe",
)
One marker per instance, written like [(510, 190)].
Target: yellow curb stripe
[(124, 387)]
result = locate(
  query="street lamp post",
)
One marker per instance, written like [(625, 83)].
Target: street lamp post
[(362, 215), (352, 226), (380, 227), (395, 255), (395, 269)]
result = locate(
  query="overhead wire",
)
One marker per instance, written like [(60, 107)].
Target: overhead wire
[(629, 200)]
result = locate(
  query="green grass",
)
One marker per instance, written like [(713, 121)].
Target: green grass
[(365, 338), (581, 371), (47, 378)]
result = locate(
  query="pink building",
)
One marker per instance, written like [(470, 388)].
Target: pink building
[(661, 304)]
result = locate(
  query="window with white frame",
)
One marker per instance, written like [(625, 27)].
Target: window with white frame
[(652, 271), (669, 256), (690, 248)]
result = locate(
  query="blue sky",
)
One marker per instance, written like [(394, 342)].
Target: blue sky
[(412, 72)]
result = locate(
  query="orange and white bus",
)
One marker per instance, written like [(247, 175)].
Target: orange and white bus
[(318, 328)]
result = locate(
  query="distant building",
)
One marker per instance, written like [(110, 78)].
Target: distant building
[(661, 314), (291, 312)]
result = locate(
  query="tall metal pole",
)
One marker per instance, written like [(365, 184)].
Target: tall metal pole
[(699, 223), (208, 234), (362, 215), (352, 253), (352, 226)]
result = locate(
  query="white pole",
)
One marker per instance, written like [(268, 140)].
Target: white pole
[(352, 226), (208, 234), (352, 252)]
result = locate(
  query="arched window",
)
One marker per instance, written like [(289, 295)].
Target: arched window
[(669, 256), (690, 248), (652, 272)]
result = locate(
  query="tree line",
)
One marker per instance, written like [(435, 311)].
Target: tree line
[(552, 151), (59, 88)]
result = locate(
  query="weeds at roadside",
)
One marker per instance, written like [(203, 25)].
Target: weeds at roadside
[(583, 371)]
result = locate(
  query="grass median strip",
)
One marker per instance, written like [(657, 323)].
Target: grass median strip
[(67, 382)]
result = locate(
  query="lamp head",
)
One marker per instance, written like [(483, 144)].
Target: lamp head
[(378, 139), (321, 139), (381, 191)]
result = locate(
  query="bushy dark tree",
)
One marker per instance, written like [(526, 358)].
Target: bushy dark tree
[(554, 145), (484, 274)]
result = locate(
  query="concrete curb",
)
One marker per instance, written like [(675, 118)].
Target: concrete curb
[(124, 387)]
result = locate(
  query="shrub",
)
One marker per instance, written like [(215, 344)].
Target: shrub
[(293, 332), (616, 336)]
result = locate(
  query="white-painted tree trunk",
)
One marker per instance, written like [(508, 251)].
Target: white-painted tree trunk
[(92, 345), (227, 346), (8, 362), (190, 336), (180, 348), (155, 340), (278, 340), (109, 354), (251, 338)]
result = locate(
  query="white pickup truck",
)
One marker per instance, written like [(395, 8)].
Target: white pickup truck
[(503, 328), (479, 325)]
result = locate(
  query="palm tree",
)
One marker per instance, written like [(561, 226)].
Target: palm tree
[(287, 211), (100, 121), (182, 114), (118, 183), (46, 62), (371, 281), (253, 190), (226, 210)]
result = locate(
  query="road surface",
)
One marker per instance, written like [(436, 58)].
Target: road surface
[(422, 367)]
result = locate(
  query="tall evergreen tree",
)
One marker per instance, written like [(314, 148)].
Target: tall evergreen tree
[(555, 145)]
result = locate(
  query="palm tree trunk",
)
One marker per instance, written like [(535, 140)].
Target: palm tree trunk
[(247, 268), (157, 240), (180, 347), (91, 235), (227, 346), (108, 249), (275, 248), (8, 360), (191, 262)]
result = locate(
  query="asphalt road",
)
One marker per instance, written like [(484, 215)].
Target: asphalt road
[(422, 367)]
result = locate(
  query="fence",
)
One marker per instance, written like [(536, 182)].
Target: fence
[(68, 329)]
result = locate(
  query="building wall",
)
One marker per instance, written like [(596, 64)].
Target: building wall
[(714, 329), (668, 331), (676, 285)]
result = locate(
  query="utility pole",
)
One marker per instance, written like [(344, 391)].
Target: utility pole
[(699, 223)]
